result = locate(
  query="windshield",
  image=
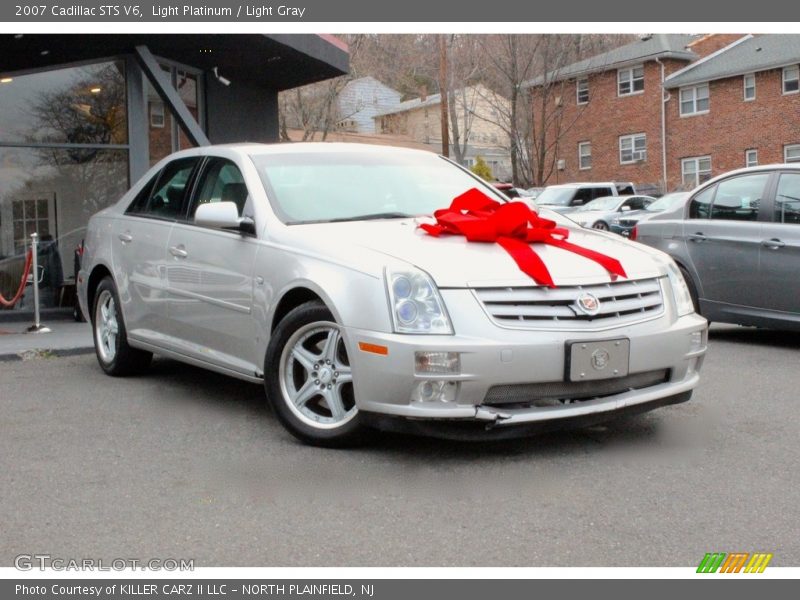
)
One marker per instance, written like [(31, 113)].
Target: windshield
[(556, 196), (604, 203), (667, 202), (318, 187)]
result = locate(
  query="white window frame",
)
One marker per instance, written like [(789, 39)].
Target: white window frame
[(581, 155), (746, 87), (632, 139), (157, 111), (751, 157), (791, 148), (629, 78), (694, 90), (695, 160), (578, 90), (796, 78)]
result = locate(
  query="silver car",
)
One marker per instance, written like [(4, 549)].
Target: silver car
[(737, 242), (599, 213), (302, 267)]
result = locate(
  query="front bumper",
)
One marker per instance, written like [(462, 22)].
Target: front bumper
[(495, 356)]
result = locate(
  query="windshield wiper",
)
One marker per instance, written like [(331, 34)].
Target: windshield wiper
[(372, 217)]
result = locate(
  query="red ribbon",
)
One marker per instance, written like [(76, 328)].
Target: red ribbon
[(514, 226)]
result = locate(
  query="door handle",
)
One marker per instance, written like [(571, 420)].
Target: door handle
[(178, 251), (125, 238), (697, 237), (774, 243)]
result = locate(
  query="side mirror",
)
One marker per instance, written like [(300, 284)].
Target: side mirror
[(625, 209), (223, 215)]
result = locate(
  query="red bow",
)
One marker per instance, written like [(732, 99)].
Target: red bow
[(514, 226)]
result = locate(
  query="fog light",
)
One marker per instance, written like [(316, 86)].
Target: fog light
[(697, 341), (437, 363), (435, 391)]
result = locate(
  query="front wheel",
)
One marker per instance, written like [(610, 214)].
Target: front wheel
[(309, 381), (601, 225)]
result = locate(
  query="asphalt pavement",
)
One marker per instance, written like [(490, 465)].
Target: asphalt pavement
[(184, 463)]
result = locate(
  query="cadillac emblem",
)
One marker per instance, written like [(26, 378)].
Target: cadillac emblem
[(588, 304), (600, 359)]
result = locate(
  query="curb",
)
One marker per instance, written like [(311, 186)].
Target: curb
[(45, 353)]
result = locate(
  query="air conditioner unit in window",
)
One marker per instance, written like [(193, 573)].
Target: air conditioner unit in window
[(558, 101), (561, 164), (639, 156)]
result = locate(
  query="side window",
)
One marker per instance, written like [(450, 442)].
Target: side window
[(140, 202), (600, 192), (582, 196), (635, 203), (166, 201), (787, 199), (221, 181), (738, 198), (700, 207)]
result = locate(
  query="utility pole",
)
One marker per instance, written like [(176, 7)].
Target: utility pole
[(443, 94)]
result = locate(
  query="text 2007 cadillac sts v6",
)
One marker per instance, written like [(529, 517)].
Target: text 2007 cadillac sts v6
[(304, 267)]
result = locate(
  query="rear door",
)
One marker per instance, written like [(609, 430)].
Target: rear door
[(140, 249), (780, 247), (723, 239), (210, 275)]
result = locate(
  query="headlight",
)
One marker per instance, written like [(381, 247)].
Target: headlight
[(615, 221), (415, 303), (680, 291)]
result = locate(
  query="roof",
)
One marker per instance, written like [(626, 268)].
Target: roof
[(430, 100), (659, 45), (746, 55)]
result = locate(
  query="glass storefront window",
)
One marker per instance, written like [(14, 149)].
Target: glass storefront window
[(165, 136), (77, 105), (53, 191)]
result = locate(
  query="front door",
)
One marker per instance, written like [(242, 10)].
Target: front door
[(210, 276), (723, 237)]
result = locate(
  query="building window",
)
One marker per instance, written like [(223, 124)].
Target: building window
[(694, 100), (582, 88), (157, 118), (585, 155), (749, 87), (695, 170), (791, 79), (751, 158), (632, 148), (791, 153), (630, 81)]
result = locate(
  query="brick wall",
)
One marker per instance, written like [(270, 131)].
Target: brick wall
[(733, 126), (602, 121)]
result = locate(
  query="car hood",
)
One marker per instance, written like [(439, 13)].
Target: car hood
[(452, 261)]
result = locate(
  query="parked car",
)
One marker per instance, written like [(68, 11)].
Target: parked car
[(599, 213), (302, 267), (508, 189), (737, 242), (623, 224), (533, 192), (565, 196)]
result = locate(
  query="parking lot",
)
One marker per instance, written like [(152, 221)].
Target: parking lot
[(184, 463)]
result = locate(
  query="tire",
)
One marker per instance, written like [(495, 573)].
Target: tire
[(310, 393), (600, 225), (114, 354), (692, 288)]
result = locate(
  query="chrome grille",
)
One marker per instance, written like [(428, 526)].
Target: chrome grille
[(554, 393), (621, 302)]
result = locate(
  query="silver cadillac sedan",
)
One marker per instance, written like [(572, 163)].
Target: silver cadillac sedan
[(308, 268)]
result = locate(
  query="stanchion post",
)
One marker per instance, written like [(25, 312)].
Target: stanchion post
[(37, 326)]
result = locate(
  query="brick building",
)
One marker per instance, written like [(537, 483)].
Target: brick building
[(608, 120)]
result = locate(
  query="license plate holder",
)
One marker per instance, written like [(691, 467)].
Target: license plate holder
[(598, 359)]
